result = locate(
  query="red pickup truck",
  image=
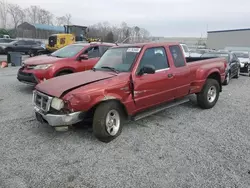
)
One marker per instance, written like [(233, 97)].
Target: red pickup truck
[(72, 58), (128, 82)]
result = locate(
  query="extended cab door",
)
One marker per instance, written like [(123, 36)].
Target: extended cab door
[(152, 89), (181, 72)]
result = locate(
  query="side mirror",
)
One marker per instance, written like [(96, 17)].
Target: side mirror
[(83, 57), (147, 69), (15, 44)]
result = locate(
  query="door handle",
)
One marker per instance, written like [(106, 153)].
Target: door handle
[(170, 75)]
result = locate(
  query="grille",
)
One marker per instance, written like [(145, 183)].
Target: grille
[(24, 73), (42, 101), (52, 41)]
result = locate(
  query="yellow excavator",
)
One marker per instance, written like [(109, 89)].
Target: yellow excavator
[(73, 33)]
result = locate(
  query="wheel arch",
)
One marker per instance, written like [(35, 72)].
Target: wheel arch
[(215, 76), (91, 111), (68, 70)]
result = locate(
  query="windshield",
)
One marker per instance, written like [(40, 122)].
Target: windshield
[(68, 51), (225, 55), (120, 59), (242, 54)]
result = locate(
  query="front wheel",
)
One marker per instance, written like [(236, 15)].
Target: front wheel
[(107, 121), (209, 94)]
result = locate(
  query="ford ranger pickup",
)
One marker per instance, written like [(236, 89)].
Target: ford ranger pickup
[(129, 82), (70, 59)]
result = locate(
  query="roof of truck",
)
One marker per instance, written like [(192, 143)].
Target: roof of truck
[(151, 44)]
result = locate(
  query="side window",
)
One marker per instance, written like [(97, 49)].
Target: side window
[(21, 42), (177, 56), (156, 57), (93, 52)]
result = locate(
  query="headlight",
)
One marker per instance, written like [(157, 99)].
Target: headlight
[(42, 66), (57, 104)]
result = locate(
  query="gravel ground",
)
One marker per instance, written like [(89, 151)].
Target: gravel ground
[(181, 147)]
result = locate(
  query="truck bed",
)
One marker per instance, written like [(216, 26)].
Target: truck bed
[(194, 59), (197, 78)]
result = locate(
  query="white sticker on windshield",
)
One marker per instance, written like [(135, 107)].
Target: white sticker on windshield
[(136, 50), (224, 55)]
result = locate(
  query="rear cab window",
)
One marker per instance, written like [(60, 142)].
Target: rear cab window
[(156, 57), (177, 56)]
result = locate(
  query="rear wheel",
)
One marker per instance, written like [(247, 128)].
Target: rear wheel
[(31, 53), (7, 50), (209, 94), (107, 121)]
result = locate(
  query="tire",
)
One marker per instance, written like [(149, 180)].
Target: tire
[(238, 73), (102, 114), (31, 53), (204, 100), (7, 50), (227, 80)]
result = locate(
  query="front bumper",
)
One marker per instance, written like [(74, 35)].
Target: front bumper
[(27, 78), (55, 120), (245, 68)]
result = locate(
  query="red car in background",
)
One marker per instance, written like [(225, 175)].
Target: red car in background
[(70, 59)]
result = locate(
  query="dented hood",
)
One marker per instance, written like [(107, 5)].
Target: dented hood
[(59, 85)]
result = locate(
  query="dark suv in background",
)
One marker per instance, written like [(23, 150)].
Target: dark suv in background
[(29, 47)]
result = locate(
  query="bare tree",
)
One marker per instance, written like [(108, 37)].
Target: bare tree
[(32, 14), (63, 20), (3, 13), (44, 17), (16, 14), (68, 19), (60, 20), (124, 33)]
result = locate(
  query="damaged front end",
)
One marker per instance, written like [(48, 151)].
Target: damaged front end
[(54, 111)]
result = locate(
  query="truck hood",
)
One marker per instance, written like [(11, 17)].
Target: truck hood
[(242, 60), (60, 85), (43, 59)]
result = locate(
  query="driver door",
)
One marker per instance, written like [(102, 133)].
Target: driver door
[(153, 89)]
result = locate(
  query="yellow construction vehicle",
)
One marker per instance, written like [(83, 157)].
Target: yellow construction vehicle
[(73, 33)]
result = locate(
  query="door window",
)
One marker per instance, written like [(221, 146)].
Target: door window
[(21, 42), (177, 56), (155, 57), (93, 52)]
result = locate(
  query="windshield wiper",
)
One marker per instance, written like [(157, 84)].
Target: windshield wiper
[(110, 68)]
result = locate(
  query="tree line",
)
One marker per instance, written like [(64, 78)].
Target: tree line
[(11, 15)]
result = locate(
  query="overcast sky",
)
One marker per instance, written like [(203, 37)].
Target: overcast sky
[(173, 18)]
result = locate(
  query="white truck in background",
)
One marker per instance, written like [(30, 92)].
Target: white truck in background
[(187, 52)]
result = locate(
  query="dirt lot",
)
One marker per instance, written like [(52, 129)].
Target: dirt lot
[(181, 147)]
